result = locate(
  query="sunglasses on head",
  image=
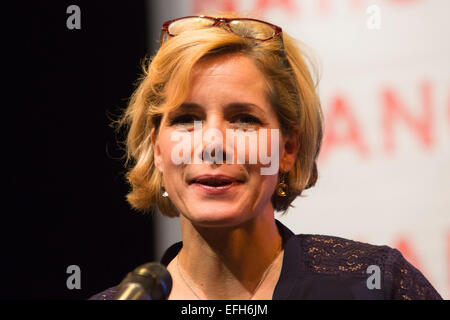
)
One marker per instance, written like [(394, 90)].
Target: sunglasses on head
[(248, 28)]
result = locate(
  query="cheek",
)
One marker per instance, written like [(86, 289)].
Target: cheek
[(269, 141), (268, 150), (261, 147), (262, 188), (171, 144)]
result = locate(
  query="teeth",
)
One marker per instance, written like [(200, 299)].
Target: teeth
[(214, 182)]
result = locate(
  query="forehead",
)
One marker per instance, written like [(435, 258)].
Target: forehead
[(223, 64), (232, 75)]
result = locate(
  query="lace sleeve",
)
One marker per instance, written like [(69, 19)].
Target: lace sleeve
[(408, 283)]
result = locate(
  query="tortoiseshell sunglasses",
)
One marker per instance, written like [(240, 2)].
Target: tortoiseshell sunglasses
[(245, 27)]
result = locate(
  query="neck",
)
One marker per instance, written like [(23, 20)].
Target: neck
[(228, 262)]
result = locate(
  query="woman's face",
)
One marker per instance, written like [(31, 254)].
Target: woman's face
[(226, 93)]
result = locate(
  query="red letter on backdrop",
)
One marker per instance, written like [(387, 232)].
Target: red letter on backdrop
[(222, 5), (288, 5), (394, 110), (340, 114), (403, 244)]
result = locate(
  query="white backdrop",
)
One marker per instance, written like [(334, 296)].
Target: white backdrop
[(384, 170)]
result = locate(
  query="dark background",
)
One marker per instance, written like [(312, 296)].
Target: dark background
[(65, 201)]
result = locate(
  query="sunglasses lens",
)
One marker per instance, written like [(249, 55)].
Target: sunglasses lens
[(187, 24), (252, 29)]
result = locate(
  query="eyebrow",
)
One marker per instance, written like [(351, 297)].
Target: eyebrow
[(244, 106), (232, 107)]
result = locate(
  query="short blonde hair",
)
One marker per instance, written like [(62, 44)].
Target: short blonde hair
[(165, 84)]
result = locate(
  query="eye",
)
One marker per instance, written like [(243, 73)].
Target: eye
[(245, 118), (183, 119)]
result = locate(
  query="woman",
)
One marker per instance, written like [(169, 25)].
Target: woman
[(215, 82)]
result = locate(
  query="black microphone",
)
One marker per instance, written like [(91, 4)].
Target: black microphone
[(150, 281)]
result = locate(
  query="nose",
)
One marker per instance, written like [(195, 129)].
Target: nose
[(214, 154), (213, 133)]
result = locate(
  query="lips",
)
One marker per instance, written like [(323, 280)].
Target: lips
[(214, 181), (215, 185)]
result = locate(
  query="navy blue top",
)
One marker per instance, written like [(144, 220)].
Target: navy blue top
[(328, 267)]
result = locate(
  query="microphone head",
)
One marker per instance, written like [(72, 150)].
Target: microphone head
[(154, 279)]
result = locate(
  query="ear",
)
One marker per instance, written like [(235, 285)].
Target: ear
[(156, 151), (291, 146)]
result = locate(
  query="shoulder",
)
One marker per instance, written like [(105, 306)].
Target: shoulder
[(108, 294), (335, 255), (331, 255)]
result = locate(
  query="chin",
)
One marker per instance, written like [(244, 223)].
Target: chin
[(217, 216)]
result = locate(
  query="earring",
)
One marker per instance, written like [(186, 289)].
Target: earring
[(164, 194), (282, 188)]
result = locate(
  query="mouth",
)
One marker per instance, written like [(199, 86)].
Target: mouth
[(215, 183)]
